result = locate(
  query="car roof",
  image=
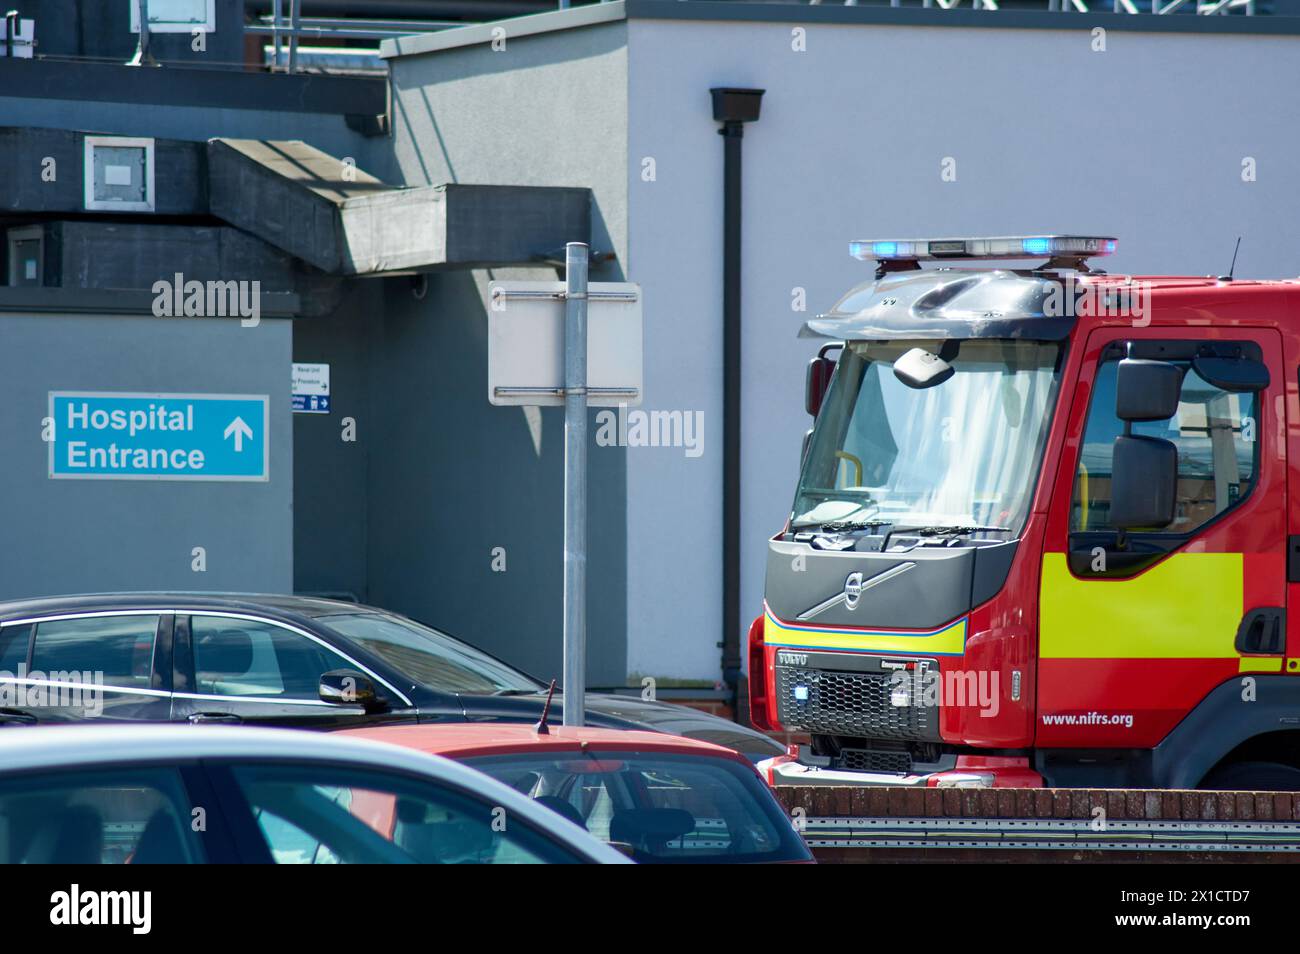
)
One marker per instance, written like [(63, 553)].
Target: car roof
[(466, 740), (79, 746), (312, 606), (84, 745)]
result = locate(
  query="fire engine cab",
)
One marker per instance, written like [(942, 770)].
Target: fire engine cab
[(1041, 532)]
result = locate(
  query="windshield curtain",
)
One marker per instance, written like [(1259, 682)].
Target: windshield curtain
[(961, 453), (428, 657)]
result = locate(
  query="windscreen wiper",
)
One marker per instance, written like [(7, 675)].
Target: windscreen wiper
[(941, 531), (843, 525)]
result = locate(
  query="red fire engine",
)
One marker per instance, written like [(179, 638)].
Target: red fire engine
[(1041, 532)]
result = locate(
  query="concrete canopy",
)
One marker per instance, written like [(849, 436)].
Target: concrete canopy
[(327, 212)]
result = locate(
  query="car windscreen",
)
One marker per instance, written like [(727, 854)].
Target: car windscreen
[(657, 807), (428, 657)]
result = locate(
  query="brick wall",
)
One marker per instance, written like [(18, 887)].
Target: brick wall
[(1027, 805), (1076, 803)]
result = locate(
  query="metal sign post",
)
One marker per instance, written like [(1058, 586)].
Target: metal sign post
[(575, 481), (546, 347)]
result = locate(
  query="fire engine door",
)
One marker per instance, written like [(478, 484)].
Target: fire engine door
[(1137, 626)]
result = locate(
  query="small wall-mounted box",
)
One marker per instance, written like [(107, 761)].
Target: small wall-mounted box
[(25, 255), (119, 174)]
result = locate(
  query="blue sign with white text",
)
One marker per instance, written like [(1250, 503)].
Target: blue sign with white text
[(159, 436), (311, 403)]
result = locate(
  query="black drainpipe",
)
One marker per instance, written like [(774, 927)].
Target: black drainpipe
[(733, 108)]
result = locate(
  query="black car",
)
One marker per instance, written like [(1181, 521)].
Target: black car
[(280, 660)]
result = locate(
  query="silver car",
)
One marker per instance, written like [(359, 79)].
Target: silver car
[(216, 794)]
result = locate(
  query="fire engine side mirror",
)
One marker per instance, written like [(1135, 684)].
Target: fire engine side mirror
[(919, 368), (1143, 482), (1147, 390), (817, 382)]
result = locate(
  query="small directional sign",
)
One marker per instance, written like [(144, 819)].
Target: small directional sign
[(122, 436), (311, 388)]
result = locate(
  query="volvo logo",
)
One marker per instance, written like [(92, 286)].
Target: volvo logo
[(855, 584), (852, 590)]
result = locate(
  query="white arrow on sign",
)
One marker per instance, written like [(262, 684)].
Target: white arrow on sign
[(240, 430)]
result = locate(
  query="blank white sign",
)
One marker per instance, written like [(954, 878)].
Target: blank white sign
[(526, 344)]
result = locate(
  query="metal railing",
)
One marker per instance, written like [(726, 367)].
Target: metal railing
[(285, 30), (286, 26)]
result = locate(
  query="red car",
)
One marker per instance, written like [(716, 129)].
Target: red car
[(658, 798)]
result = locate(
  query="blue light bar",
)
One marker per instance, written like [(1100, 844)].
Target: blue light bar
[(1005, 247)]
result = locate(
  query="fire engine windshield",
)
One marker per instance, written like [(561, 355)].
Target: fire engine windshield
[(962, 453)]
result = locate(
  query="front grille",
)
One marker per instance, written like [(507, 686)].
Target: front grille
[(874, 760), (855, 704)]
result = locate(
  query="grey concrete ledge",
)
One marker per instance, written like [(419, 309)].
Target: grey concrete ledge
[(515, 27)]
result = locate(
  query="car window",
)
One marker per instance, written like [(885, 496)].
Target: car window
[(127, 816), (327, 815), (79, 650), (657, 807), (241, 657), (14, 644), (429, 657), (1214, 431)]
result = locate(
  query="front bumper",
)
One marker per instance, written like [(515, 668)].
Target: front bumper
[(800, 767)]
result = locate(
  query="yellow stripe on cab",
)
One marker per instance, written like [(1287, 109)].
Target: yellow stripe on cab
[(948, 641), (1188, 606)]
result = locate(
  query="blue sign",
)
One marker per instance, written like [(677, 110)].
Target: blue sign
[(311, 403), (113, 435)]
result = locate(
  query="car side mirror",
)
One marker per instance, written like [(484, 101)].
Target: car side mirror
[(1147, 390), (816, 383), (1143, 482), (347, 687)]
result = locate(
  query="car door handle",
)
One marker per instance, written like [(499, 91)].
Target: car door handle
[(226, 717), (16, 717)]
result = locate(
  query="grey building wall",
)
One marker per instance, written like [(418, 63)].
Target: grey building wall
[(452, 477), (331, 475), (1047, 135), (103, 30), (544, 110), (325, 131), (66, 536)]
